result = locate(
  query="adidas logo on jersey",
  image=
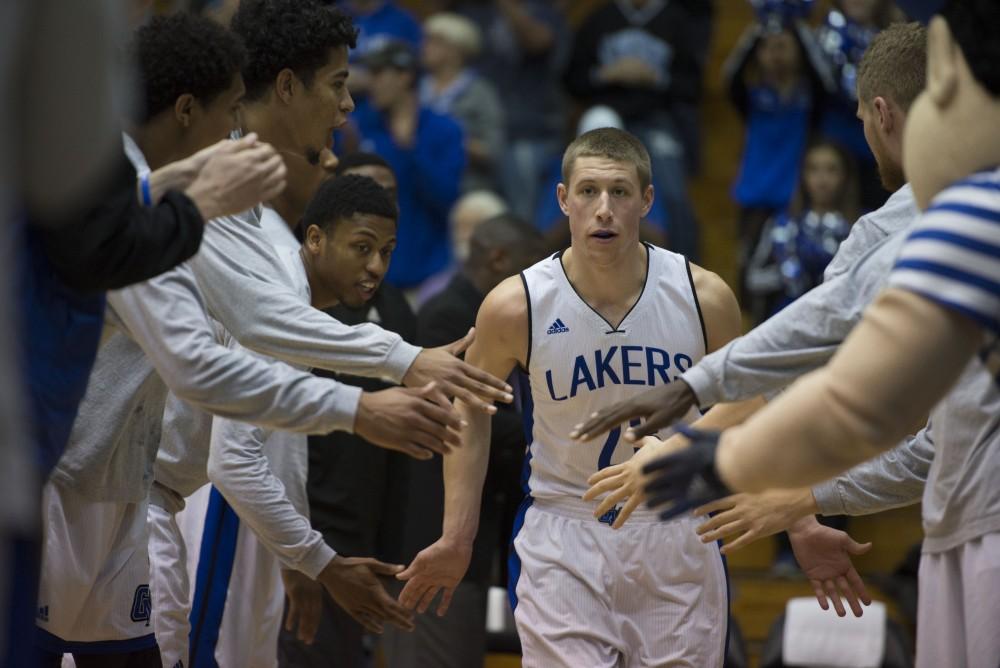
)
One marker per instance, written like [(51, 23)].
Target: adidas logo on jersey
[(558, 327)]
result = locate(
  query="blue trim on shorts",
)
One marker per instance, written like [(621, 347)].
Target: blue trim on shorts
[(215, 566), (513, 560), (56, 645), (729, 596)]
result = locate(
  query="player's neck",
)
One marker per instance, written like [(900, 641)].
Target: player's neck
[(608, 286), (158, 145)]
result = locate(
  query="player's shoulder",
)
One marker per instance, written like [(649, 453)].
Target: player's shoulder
[(506, 302), (719, 309)]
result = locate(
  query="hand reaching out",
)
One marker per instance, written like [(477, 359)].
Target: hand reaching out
[(824, 555), (305, 605)]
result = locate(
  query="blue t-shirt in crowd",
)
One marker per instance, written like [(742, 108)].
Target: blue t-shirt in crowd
[(775, 139), (802, 247), (388, 22), (428, 175)]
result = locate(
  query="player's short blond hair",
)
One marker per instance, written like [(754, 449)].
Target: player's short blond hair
[(894, 65), (610, 143)]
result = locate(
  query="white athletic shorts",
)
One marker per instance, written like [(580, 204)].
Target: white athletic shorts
[(958, 609), (584, 594), (93, 593), (214, 580)]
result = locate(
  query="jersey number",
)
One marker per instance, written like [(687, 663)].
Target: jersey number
[(608, 451)]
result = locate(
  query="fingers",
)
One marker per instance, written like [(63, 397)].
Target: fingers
[(857, 548), (382, 568), (820, 594), (309, 620), (456, 348), (392, 611), (725, 531), (725, 503), (602, 487), (427, 599), (848, 593), (603, 421), (713, 522), (412, 592), (741, 541), (445, 601), (831, 592), (610, 501), (858, 586), (627, 510), (603, 474)]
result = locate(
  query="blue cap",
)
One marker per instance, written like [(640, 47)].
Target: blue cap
[(921, 10)]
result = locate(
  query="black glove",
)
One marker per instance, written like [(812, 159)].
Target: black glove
[(687, 478)]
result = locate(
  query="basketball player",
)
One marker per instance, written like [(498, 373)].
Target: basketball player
[(806, 334), (350, 233), (589, 325)]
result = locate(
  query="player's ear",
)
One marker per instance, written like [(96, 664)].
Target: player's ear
[(561, 194), (184, 109), (647, 200), (883, 112), (284, 85), (314, 238), (943, 57)]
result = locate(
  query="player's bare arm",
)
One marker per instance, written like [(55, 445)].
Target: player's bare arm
[(457, 379), (665, 404), (501, 343), (826, 423)]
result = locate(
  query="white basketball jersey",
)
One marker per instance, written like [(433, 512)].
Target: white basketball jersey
[(579, 363)]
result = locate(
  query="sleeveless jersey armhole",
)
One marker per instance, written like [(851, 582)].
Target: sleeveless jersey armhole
[(697, 304), (527, 298)]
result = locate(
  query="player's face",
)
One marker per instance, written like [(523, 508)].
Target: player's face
[(216, 120), (323, 106), (823, 176), (889, 170), (379, 174), (604, 203), (354, 258)]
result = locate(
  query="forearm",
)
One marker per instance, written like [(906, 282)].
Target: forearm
[(164, 317), (244, 289), (893, 479), (870, 397), (240, 471), (800, 338), (177, 175), (120, 242), (464, 475), (724, 416)]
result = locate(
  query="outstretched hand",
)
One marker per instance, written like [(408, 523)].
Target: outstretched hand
[(661, 407), (437, 568), (354, 585), (418, 422), (742, 519), (457, 379), (824, 555), (686, 478), (623, 482)]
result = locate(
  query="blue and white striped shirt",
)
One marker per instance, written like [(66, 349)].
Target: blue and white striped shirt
[(952, 256)]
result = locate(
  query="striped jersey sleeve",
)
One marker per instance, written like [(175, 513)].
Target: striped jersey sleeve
[(952, 256)]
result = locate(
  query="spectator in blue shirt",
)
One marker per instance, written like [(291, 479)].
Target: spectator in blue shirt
[(778, 81), (425, 150), (377, 21)]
